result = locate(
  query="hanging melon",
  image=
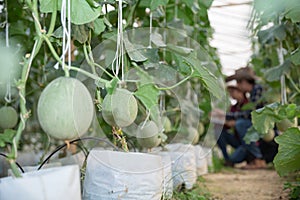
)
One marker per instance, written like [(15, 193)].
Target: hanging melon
[(120, 108), (284, 124), (65, 109), (269, 136), (148, 135), (8, 117)]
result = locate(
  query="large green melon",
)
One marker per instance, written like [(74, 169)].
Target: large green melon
[(65, 109), (148, 135), (8, 117), (120, 108)]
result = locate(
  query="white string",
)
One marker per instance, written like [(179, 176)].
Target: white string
[(150, 31), (7, 97), (66, 45), (118, 61), (6, 25), (69, 36), (282, 78), (147, 118)]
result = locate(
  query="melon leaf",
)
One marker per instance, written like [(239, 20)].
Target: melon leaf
[(7, 137), (288, 158), (148, 95)]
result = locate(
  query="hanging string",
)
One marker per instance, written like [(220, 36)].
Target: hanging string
[(7, 97), (282, 78), (118, 61), (66, 44), (150, 32)]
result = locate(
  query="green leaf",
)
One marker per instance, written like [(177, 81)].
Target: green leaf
[(209, 79), (294, 13), (288, 158), (178, 49), (295, 58), (148, 95), (271, 34), (81, 10), (81, 32), (156, 3), (274, 73), (7, 137), (133, 50), (111, 85), (99, 26), (264, 120), (48, 6)]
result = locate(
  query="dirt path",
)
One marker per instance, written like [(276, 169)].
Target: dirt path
[(245, 185)]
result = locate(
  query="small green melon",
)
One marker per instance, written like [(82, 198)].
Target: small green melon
[(269, 136), (284, 124), (120, 108), (8, 117), (167, 124), (148, 135), (65, 108), (201, 128)]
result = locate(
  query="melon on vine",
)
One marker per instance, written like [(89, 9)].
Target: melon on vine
[(167, 124), (119, 108), (8, 117), (269, 136), (284, 124), (201, 128), (187, 135), (148, 135), (65, 108)]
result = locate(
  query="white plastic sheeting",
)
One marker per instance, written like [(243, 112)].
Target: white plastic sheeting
[(53, 183), (121, 175), (167, 170), (183, 164), (201, 160)]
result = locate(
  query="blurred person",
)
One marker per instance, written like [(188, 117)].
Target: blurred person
[(246, 82), (228, 134)]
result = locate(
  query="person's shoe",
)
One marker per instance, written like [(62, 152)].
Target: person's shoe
[(256, 164), (228, 163)]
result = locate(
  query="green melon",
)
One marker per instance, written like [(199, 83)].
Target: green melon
[(193, 135), (187, 135), (284, 124), (167, 125), (201, 128), (65, 109), (8, 117), (119, 109), (269, 136), (148, 135)]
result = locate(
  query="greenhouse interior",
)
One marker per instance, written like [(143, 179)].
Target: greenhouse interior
[(149, 99)]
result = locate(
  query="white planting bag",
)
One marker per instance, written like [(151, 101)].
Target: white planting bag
[(208, 155), (201, 161), (167, 170), (183, 164), (46, 184), (123, 175)]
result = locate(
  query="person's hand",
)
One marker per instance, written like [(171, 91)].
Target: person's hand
[(218, 113), (230, 123)]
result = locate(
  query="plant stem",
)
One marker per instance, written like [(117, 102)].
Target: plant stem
[(93, 76), (52, 22), (24, 112)]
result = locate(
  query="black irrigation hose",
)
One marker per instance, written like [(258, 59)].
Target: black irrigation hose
[(2, 154), (73, 141)]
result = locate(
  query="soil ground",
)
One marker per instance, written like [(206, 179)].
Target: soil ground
[(238, 184)]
